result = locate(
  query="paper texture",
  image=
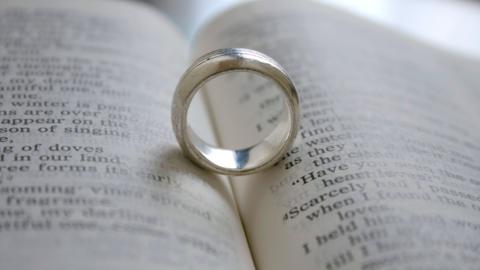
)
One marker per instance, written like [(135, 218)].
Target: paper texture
[(90, 174), (384, 174)]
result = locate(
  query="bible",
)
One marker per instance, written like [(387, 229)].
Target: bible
[(384, 173)]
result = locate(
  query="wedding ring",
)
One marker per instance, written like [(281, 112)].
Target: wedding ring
[(234, 161)]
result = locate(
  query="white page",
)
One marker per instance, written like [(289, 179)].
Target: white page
[(389, 132), (91, 176)]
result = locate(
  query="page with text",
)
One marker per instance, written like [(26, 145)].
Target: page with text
[(384, 173), (91, 176)]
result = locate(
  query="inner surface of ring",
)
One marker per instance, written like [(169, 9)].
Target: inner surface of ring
[(249, 117), (244, 158)]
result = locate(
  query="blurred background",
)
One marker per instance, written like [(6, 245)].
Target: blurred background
[(453, 25)]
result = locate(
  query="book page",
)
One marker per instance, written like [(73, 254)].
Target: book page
[(91, 176), (384, 173)]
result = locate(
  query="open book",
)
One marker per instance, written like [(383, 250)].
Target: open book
[(385, 172)]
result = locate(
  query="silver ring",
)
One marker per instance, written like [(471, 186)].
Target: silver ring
[(234, 161)]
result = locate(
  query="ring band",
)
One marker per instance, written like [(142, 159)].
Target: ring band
[(234, 161)]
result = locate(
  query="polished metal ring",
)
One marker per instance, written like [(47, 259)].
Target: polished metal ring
[(234, 161)]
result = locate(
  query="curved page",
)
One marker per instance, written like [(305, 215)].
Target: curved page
[(384, 173), (90, 174)]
